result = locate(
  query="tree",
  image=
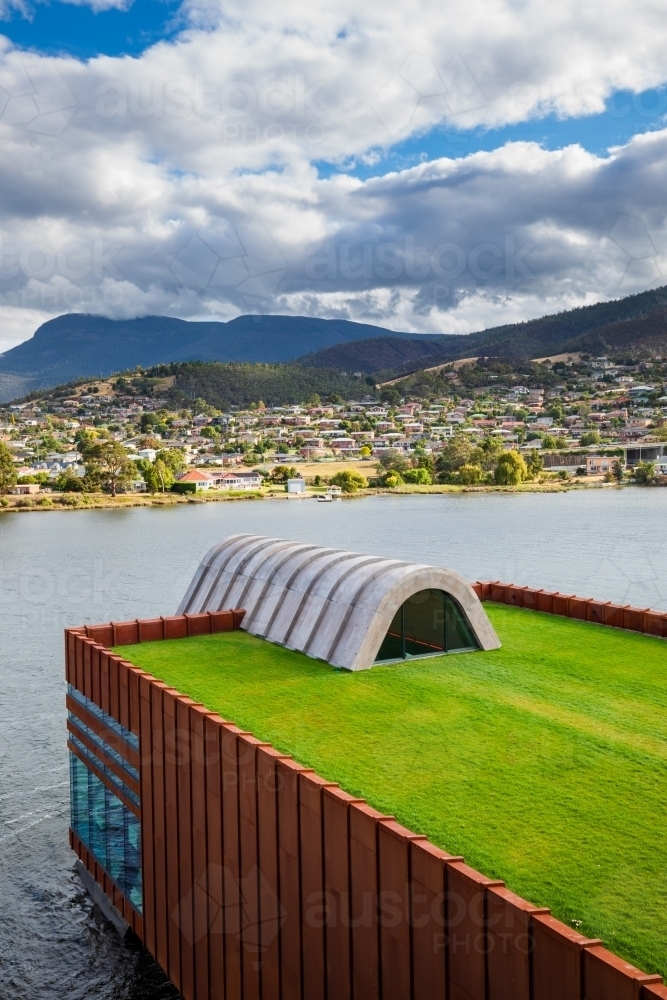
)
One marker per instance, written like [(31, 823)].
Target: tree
[(511, 469), (590, 437), (549, 442), (148, 421), (173, 458), (148, 442), (390, 395), (158, 476), (456, 453), (490, 449), (470, 475), (7, 469), (69, 482), (617, 470), (349, 481), (661, 432), (644, 472), (85, 438), (535, 464), (281, 473), (107, 462), (393, 461), (365, 451)]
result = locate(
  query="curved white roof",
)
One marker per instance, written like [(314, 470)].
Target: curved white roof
[(333, 605)]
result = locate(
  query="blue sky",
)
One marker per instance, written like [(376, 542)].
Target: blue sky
[(55, 28), (626, 115)]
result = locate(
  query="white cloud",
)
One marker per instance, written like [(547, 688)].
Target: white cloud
[(17, 325), (181, 181)]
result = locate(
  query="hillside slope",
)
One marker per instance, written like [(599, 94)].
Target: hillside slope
[(377, 353), (76, 344)]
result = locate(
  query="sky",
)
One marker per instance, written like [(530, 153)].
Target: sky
[(418, 166)]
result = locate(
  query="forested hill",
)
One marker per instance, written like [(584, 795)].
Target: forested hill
[(239, 385), (78, 345), (637, 323)]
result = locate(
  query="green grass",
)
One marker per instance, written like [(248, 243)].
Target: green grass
[(544, 763)]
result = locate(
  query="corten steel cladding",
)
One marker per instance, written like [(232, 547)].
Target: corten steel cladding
[(313, 909), (289, 848), (394, 843), (263, 881), (570, 606)]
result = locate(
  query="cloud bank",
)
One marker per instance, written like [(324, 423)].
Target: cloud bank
[(185, 181)]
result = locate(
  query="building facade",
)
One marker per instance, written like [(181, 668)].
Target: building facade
[(249, 877)]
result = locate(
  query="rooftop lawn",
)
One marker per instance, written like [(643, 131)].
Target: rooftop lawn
[(544, 763)]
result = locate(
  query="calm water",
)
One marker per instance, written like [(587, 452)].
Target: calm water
[(59, 569)]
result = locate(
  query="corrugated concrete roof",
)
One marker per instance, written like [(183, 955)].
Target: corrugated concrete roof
[(331, 604)]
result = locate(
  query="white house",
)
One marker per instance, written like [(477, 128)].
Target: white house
[(236, 480)]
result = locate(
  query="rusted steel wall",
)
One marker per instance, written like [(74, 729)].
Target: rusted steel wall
[(585, 609), (262, 880)]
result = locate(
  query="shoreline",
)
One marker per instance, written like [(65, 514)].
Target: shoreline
[(18, 505)]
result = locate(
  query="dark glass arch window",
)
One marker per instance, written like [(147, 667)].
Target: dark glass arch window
[(429, 622)]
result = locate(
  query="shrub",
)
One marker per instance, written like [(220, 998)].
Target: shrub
[(644, 472), (469, 475), (349, 481), (421, 477), (392, 479), (184, 488)]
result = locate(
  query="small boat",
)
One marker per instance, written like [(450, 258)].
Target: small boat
[(325, 498)]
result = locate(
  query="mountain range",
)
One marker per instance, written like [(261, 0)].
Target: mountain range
[(77, 344)]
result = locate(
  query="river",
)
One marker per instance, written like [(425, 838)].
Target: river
[(70, 567)]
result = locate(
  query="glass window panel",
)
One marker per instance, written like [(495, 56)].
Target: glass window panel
[(392, 645), (459, 633), (79, 797), (115, 837), (133, 860), (97, 818), (427, 623), (109, 830)]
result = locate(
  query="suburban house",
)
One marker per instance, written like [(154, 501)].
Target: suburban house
[(202, 480), (219, 479), (236, 480), (599, 465)]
